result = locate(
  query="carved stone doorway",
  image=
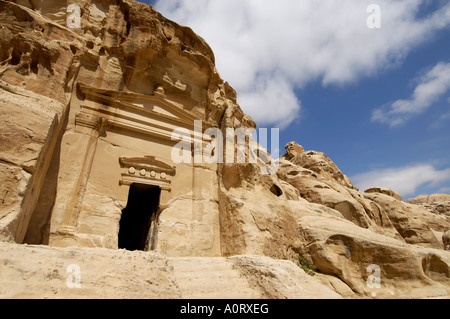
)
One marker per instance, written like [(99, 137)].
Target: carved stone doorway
[(138, 215)]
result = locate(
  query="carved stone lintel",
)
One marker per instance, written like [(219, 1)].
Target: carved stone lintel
[(127, 181)]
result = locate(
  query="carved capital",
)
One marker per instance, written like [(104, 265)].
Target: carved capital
[(91, 121)]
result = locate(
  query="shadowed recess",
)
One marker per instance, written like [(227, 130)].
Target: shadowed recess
[(143, 202)]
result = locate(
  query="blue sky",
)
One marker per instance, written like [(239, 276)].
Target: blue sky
[(376, 101)]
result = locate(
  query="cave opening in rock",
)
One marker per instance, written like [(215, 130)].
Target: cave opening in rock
[(137, 216), (276, 190)]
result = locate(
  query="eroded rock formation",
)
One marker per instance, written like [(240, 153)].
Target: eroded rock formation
[(87, 116), (437, 203)]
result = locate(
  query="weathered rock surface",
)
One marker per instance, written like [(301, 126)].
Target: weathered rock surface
[(87, 112), (317, 162), (41, 272), (384, 190), (49, 272), (341, 231), (29, 127), (435, 203), (346, 251)]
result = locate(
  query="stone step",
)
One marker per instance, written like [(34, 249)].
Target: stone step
[(209, 277)]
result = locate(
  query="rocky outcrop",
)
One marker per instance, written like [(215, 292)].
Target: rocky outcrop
[(446, 240), (346, 251), (435, 203), (316, 162), (338, 229), (87, 111), (384, 190)]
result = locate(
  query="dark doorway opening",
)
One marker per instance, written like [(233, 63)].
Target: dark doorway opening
[(137, 217)]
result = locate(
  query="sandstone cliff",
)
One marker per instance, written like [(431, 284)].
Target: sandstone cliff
[(78, 105)]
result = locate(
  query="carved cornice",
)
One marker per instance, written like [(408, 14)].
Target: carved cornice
[(149, 163), (125, 100), (156, 117), (146, 170)]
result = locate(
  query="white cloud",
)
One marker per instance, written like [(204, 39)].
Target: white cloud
[(445, 116), (433, 85), (266, 49), (444, 190), (271, 91), (404, 180)]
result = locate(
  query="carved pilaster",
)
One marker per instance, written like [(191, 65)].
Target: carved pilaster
[(81, 155)]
